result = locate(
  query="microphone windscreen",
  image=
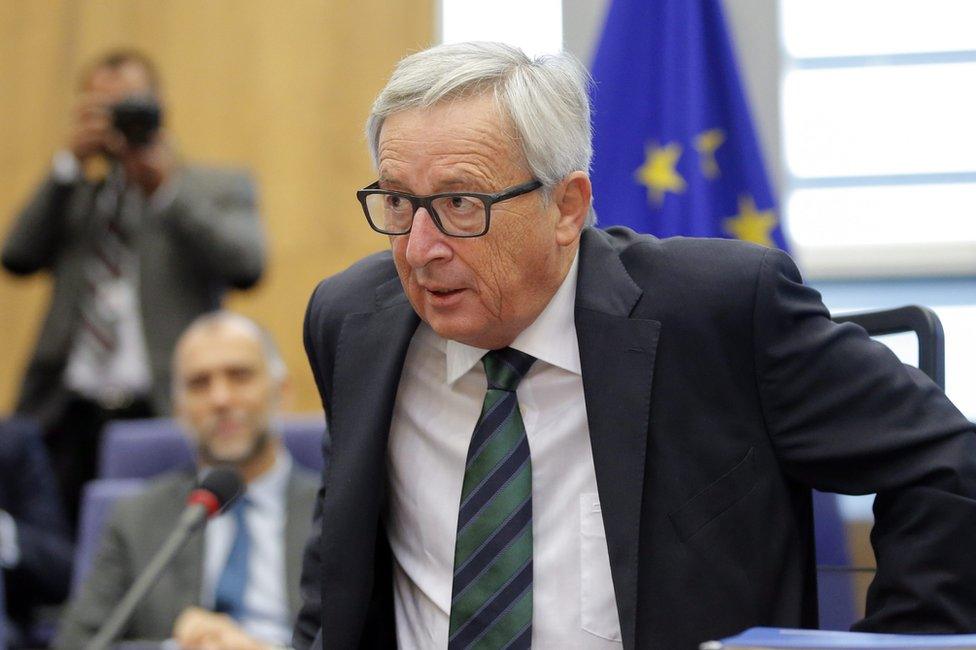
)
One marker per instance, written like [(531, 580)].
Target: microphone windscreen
[(218, 489)]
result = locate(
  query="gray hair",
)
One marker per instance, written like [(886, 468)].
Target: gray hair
[(545, 99), (272, 357)]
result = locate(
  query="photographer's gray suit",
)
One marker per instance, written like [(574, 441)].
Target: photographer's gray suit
[(209, 238), (137, 530)]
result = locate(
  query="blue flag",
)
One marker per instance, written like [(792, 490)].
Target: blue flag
[(675, 152)]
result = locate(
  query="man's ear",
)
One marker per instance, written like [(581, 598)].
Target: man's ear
[(572, 196), (285, 395)]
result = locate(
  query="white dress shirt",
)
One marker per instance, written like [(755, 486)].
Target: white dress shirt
[(441, 391), (125, 372), (266, 598)]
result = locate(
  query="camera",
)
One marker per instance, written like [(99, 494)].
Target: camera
[(137, 118)]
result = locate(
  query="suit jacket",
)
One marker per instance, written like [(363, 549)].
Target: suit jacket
[(136, 530), (718, 391), (209, 238), (28, 492)]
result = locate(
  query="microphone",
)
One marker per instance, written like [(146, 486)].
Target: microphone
[(219, 488)]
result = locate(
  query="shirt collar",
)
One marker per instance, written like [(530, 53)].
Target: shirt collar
[(267, 492), (550, 338)]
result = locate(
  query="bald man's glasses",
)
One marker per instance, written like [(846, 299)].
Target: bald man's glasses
[(456, 214)]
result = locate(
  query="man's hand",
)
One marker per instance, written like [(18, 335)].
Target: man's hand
[(91, 132), (151, 165), (200, 629)]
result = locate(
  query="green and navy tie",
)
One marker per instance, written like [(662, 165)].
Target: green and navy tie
[(491, 602)]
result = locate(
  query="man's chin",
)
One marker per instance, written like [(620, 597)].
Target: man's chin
[(237, 455), (229, 457)]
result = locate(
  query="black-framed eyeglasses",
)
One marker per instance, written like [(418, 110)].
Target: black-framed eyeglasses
[(456, 214)]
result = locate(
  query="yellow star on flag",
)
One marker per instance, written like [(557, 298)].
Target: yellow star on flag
[(706, 143), (658, 172), (751, 224)]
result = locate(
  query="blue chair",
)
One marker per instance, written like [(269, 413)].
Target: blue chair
[(145, 448), (97, 501), (835, 578)]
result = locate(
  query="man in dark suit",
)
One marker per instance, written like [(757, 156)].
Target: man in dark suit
[(632, 466), (35, 546), (235, 584), (134, 256)]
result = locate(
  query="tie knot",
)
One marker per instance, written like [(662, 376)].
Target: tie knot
[(505, 368)]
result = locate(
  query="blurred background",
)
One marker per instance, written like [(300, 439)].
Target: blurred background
[(282, 89)]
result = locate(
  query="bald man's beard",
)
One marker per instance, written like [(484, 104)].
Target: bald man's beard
[(258, 445)]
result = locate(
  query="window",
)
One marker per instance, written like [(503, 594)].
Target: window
[(878, 101), (879, 138)]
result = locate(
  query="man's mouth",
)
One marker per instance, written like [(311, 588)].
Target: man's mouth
[(443, 297)]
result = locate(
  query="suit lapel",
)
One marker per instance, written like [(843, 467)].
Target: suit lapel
[(617, 355), (369, 360)]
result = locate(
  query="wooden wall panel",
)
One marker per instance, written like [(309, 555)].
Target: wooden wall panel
[(280, 88)]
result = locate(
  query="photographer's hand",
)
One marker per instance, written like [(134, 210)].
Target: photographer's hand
[(150, 166), (91, 131)]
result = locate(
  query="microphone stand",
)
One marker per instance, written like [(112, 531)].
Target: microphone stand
[(192, 518)]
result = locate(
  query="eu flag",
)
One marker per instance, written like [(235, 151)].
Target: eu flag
[(675, 152)]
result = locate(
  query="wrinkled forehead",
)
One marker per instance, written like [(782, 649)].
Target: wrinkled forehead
[(467, 135)]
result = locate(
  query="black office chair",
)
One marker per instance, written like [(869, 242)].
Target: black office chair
[(835, 572), (920, 320)]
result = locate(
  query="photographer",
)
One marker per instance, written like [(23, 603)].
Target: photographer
[(138, 244)]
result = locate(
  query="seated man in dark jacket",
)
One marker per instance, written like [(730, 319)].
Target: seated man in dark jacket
[(35, 548)]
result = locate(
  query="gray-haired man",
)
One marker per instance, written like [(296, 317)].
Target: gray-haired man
[(554, 435)]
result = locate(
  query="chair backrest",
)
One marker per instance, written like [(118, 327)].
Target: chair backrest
[(922, 321), (145, 448), (97, 501), (836, 575)]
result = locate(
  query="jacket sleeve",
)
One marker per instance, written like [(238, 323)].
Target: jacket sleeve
[(214, 213), (845, 415), (38, 230)]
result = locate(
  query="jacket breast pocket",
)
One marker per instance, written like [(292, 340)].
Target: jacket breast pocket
[(716, 498)]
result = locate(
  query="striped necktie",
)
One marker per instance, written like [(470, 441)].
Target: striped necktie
[(491, 601), (109, 263)]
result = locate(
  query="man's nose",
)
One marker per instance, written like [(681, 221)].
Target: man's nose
[(220, 393), (425, 243)]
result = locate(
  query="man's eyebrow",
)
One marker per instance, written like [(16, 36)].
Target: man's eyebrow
[(389, 183), (459, 184), (453, 184)]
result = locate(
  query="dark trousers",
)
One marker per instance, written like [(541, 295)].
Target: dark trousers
[(73, 443)]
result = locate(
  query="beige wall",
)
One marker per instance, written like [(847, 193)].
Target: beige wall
[(280, 87)]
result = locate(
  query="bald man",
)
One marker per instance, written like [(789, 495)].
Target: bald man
[(229, 381)]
